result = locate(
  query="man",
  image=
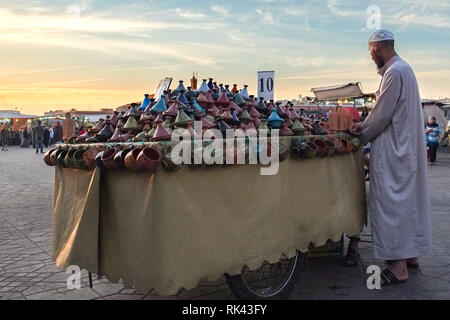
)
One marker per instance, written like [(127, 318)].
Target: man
[(5, 137), (58, 132), (398, 201), (39, 137), (52, 135)]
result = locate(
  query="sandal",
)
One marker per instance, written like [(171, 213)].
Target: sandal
[(352, 259), (387, 278)]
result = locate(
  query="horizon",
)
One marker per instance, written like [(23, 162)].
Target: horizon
[(97, 54)]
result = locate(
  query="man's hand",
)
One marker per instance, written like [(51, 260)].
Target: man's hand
[(355, 128)]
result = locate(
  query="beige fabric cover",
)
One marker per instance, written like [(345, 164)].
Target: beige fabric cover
[(170, 230)]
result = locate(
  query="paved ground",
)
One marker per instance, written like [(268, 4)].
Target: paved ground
[(28, 272)]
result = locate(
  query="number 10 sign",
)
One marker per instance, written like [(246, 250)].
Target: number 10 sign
[(265, 84)]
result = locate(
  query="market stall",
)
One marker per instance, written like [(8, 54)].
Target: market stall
[(170, 227)]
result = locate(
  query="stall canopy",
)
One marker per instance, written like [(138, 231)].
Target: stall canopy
[(11, 114), (350, 90)]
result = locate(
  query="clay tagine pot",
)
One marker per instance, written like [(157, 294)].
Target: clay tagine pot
[(131, 159), (321, 147), (47, 158), (89, 157), (167, 162), (108, 158), (161, 133), (148, 159), (119, 157), (78, 159), (331, 148), (312, 149), (299, 149)]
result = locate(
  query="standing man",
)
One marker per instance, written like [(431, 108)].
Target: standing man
[(39, 137), (52, 135), (398, 201), (58, 132), (5, 137), (46, 136)]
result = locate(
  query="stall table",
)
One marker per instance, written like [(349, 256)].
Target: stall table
[(170, 230)]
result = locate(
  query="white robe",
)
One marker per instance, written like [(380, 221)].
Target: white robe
[(399, 206)]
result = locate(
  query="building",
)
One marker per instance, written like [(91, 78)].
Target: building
[(92, 116), (16, 119), (438, 108)]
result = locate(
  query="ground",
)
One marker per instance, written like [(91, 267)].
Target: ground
[(28, 272)]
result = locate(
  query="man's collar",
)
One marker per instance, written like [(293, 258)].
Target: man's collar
[(388, 64)]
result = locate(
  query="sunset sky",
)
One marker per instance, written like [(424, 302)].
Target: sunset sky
[(92, 54)]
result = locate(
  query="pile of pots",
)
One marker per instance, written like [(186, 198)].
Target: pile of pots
[(141, 158), (216, 106), (306, 148)]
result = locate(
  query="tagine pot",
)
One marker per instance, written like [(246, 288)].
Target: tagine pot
[(298, 128), (89, 157), (285, 131), (78, 159), (119, 157), (299, 149), (82, 138), (69, 159), (98, 159), (148, 159), (108, 158), (283, 151), (348, 146), (131, 159), (116, 135), (167, 162), (356, 142), (339, 145), (47, 158), (312, 149), (54, 156), (321, 147), (98, 126), (331, 148)]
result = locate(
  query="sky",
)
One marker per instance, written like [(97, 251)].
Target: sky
[(91, 54)]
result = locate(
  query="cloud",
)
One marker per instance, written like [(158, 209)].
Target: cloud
[(294, 12), (267, 17), (188, 14), (221, 10), (337, 9)]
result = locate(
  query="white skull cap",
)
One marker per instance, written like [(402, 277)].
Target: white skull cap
[(381, 35)]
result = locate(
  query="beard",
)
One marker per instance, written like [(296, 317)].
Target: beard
[(379, 62)]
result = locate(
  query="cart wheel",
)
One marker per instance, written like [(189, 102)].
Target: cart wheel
[(270, 281)]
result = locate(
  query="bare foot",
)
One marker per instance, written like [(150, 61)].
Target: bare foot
[(399, 269)]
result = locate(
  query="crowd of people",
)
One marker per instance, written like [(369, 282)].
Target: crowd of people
[(37, 135)]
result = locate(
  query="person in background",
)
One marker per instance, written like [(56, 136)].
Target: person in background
[(433, 136), (52, 135), (46, 136), (39, 137), (364, 114), (5, 137), (82, 131), (58, 132), (25, 138)]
